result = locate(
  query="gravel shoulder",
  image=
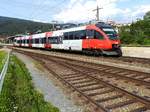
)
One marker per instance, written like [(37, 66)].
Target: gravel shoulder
[(46, 85)]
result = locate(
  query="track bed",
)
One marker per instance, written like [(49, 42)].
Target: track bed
[(107, 88)]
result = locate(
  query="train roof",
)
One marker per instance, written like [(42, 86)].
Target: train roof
[(103, 25), (60, 32)]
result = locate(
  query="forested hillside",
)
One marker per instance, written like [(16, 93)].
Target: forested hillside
[(138, 33), (12, 26)]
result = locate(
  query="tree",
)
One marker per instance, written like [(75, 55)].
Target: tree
[(137, 33), (147, 16)]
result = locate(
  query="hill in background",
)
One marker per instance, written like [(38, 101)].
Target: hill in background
[(12, 26)]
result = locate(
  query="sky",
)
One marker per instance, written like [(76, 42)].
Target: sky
[(77, 11)]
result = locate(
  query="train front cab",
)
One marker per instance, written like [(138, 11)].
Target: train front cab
[(99, 41)]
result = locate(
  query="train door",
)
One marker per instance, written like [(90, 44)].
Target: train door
[(30, 41), (46, 40), (56, 42), (65, 44), (89, 36), (75, 38), (20, 41)]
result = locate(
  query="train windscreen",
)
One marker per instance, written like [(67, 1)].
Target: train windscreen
[(112, 34), (108, 29)]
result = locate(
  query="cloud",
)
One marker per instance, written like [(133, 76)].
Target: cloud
[(76, 11), (133, 14), (141, 10), (82, 11)]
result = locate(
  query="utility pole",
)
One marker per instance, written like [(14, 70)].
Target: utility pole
[(97, 12), (53, 24)]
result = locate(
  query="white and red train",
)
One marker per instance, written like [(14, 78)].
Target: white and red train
[(98, 38)]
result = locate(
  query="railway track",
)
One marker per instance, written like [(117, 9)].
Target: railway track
[(88, 80), (145, 62)]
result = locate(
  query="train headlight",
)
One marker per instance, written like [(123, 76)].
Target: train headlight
[(115, 46)]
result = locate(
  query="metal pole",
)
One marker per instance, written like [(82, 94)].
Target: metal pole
[(97, 12)]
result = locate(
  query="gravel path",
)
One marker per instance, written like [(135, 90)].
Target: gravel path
[(50, 91)]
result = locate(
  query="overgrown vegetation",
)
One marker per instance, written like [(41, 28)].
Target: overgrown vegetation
[(2, 59), (18, 93), (138, 33)]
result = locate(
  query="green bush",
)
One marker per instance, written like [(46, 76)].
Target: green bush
[(137, 33)]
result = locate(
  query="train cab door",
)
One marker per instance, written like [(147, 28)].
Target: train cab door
[(90, 37), (95, 39), (99, 42)]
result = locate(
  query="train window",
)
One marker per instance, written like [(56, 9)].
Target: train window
[(22, 41), (90, 34), (77, 35), (39, 40), (66, 36), (42, 40), (27, 41), (59, 39), (36, 41), (70, 35), (53, 40), (50, 40), (82, 34), (32, 41), (97, 35), (112, 34)]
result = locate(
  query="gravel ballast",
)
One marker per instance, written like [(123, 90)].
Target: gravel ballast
[(51, 92)]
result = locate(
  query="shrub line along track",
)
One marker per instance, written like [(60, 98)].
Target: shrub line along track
[(90, 86)]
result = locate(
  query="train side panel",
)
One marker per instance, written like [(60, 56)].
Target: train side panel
[(37, 40)]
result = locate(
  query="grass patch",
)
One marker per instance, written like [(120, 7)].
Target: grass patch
[(18, 93), (3, 54)]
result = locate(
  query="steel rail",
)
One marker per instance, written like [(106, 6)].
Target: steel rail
[(73, 67)]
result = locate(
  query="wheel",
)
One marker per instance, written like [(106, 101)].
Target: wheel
[(119, 52)]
